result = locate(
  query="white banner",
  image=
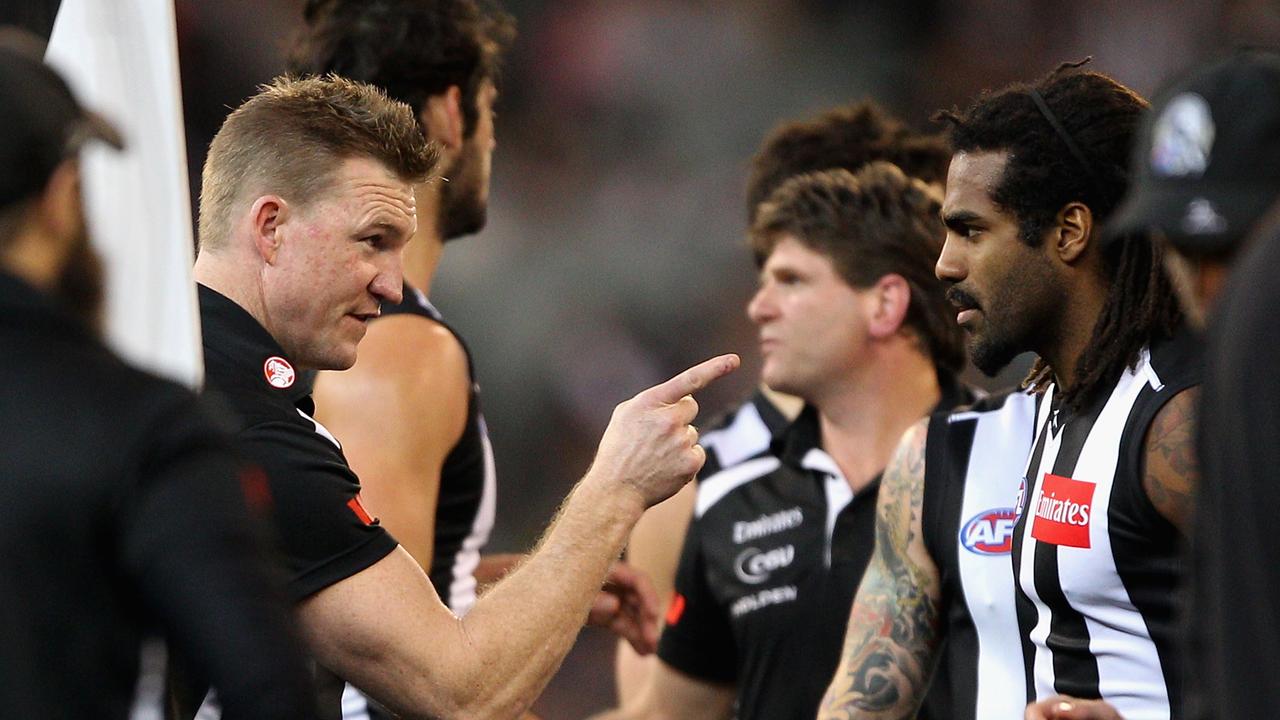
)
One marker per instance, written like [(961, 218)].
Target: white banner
[(121, 59)]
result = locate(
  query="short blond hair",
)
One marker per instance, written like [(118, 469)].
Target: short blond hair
[(290, 138)]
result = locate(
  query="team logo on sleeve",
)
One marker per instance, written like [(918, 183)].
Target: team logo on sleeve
[(1062, 511), (279, 372), (357, 507), (989, 532), (676, 610)]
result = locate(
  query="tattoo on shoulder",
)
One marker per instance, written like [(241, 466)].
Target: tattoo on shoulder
[(1172, 470)]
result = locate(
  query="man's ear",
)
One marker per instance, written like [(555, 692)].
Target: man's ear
[(890, 298), (1073, 232), (266, 217), (442, 118), (59, 205)]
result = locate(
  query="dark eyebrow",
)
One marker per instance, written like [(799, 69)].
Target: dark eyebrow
[(959, 220)]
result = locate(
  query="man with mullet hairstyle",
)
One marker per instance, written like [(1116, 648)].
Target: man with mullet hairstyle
[(846, 137), (306, 207), (1038, 168), (852, 320)]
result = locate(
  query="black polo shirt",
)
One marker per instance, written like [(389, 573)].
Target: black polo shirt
[(769, 568), (325, 533), (123, 516)]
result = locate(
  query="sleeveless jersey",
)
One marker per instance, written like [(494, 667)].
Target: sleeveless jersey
[(1095, 562), (464, 508), (974, 462)]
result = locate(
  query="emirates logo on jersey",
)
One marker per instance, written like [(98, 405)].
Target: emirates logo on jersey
[(1062, 511), (279, 372)]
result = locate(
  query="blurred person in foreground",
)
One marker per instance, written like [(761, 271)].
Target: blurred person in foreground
[(846, 137), (1206, 172), (126, 514), (306, 207), (408, 412), (852, 321)]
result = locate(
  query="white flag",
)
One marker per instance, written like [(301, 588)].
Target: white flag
[(120, 58)]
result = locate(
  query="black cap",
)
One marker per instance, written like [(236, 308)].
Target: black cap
[(1207, 162), (41, 124)]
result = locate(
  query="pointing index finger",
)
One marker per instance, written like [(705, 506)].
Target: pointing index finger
[(693, 379)]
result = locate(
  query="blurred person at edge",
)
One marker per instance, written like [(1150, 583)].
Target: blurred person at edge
[(307, 203), (1206, 171), (126, 512), (846, 137), (853, 321), (408, 412)]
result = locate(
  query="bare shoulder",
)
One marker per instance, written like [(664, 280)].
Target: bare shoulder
[(410, 382), (413, 351), (1171, 470), (902, 485)]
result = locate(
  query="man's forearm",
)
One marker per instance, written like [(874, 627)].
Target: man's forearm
[(888, 652), (520, 631)]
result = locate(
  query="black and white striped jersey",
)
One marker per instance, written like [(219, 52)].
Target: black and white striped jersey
[(465, 506), (974, 462), (1095, 562), (468, 484)]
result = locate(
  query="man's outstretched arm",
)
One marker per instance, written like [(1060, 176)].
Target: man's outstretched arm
[(385, 629), (894, 631)]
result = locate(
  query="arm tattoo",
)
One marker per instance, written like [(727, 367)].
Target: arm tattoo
[(893, 632), (1171, 468)]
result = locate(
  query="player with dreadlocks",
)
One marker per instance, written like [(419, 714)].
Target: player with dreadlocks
[(1038, 168)]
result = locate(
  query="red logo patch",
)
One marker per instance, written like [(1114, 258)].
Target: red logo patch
[(279, 372), (1062, 511), (676, 609), (358, 509)]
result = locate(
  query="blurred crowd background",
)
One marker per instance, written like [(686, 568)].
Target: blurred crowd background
[(614, 254)]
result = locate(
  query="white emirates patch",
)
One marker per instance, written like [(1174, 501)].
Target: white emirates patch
[(279, 372)]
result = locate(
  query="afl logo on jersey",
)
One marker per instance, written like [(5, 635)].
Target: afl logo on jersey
[(279, 372), (989, 532)]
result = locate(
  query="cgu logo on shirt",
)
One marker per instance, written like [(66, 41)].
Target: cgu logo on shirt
[(1062, 511), (753, 566)]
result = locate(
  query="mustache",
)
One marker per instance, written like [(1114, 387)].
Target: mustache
[(961, 299)]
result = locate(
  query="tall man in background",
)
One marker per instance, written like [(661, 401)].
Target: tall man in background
[(853, 321), (847, 137), (307, 203)]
